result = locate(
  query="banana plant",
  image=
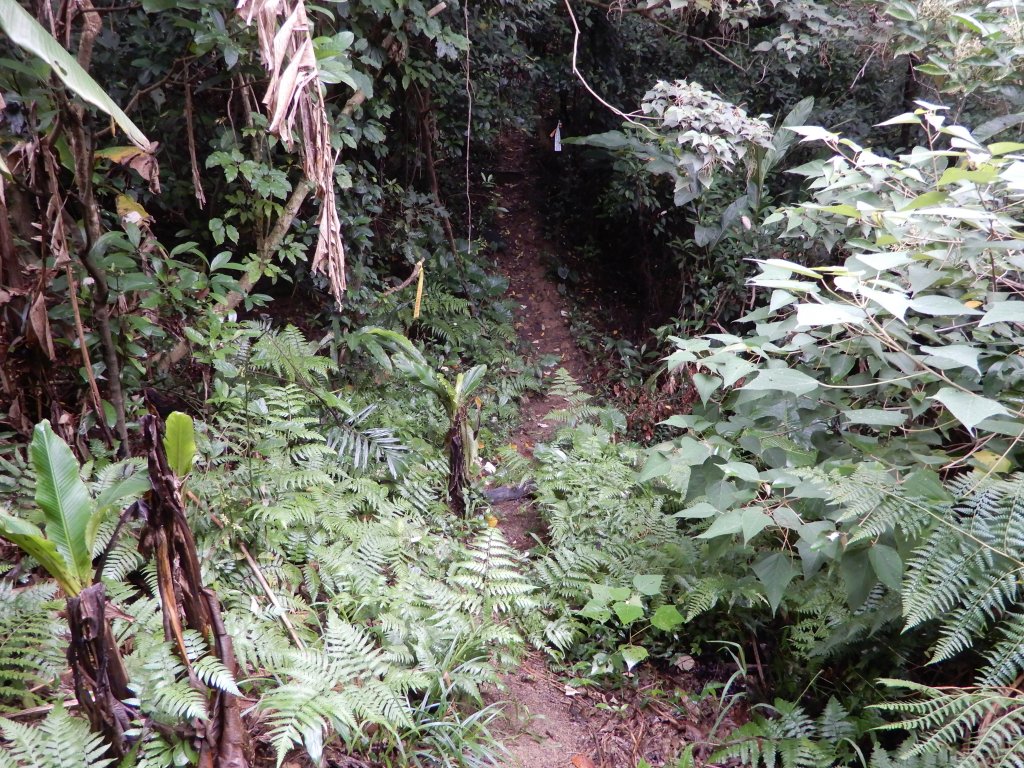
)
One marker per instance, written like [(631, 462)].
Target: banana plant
[(71, 516), (27, 33), (460, 442)]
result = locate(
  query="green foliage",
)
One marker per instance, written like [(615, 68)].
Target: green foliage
[(31, 652), (966, 48), (179, 443), (402, 612), (59, 741), (344, 684), (985, 722), (64, 546), (787, 737), (27, 33)]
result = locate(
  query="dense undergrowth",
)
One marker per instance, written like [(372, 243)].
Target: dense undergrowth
[(827, 504)]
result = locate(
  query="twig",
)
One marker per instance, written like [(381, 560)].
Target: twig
[(86, 361), (622, 11), (190, 134), (718, 53), (41, 710), (469, 129), (269, 245), (258, 573), (576, 71), (407, 282)]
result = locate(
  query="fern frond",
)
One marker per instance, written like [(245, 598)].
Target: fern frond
[(30, 642), (363, 446), (59, 741), (988, 721)]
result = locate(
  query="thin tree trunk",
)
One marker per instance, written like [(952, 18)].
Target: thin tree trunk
[(82, 150)]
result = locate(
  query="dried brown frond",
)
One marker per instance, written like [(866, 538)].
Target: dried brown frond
[(295, 103)]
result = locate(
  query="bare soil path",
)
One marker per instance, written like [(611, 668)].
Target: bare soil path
[(542, 727), (547, 723)]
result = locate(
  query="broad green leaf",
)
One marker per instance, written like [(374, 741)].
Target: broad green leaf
[(706, 385), (690, 451), (29, 34), (967, 408), (875, 417), (64, 499), (393, 339), (997, 125), (971, 23), (468, 383), (815, 315), (926, 200), (781, 299), (31, 541), (895, 303), (1004, 312), (888, 565), (775, 571), (953, 356), (984, 175), (742, 470), (726, 525), (840, 209), (648, 583), (734, 369), (667, 618), (628, 612), (907, 118), (607, 140), (596, 610), (753, 521), (657, 465), (783, 139), (633, 655), (783, 380), (938, 306), (790, 267), (698, 511), (180, 442), (992, 462), (606, 594), (925, 484), (858, 577), (812, 133), (1004, 147), (131, 485)]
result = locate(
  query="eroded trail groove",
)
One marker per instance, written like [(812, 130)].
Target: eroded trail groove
[(547, 722), (542, 726)]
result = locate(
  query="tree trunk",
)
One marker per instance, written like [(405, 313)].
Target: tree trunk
[(186, 603), (101, 682)]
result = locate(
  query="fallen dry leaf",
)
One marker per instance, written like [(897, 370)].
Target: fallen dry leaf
[(582, 761)]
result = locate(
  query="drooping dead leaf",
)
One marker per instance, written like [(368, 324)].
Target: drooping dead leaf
[(582, 761), (684, 661), (143, 163), (295, 103), (131, 211), (39, 327)]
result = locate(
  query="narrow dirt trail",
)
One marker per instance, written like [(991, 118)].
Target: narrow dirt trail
[(546, 723), (543, 727)]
